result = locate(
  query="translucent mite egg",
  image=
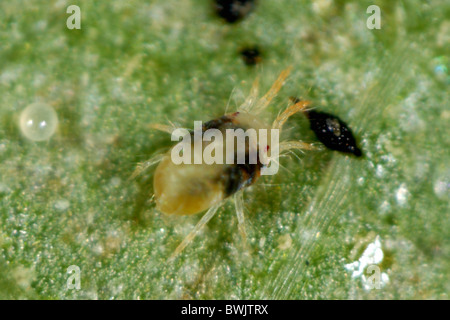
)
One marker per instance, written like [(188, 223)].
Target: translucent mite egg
[(38, 122)]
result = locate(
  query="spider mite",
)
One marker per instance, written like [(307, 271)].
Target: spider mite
[(233, 10), (185, 189), (331, 131)]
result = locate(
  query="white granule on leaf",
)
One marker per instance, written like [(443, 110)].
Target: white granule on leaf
[(372, 255)]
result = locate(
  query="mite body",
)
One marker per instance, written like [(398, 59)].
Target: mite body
[(185, 189)]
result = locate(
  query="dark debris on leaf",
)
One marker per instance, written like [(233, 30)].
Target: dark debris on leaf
[(333, 132), (251, 56), (234, 10)]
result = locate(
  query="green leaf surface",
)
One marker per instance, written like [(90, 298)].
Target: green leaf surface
[(69, 201)]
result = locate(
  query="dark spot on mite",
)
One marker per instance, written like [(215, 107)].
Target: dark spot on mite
[(332, 131), (233, 10), (239, 176), (217, 123), (220, 123), (251, 56)]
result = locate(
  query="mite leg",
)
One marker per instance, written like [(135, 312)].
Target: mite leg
[(291, 110), (251, 99), (162, 127), (295, 145), (141, 167), (239, 203), (203, 221), (267, 98)]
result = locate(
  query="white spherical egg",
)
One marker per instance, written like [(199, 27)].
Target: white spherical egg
[(38, 122)]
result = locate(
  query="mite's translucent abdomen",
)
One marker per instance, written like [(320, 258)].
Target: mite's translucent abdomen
[(186, 189)]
